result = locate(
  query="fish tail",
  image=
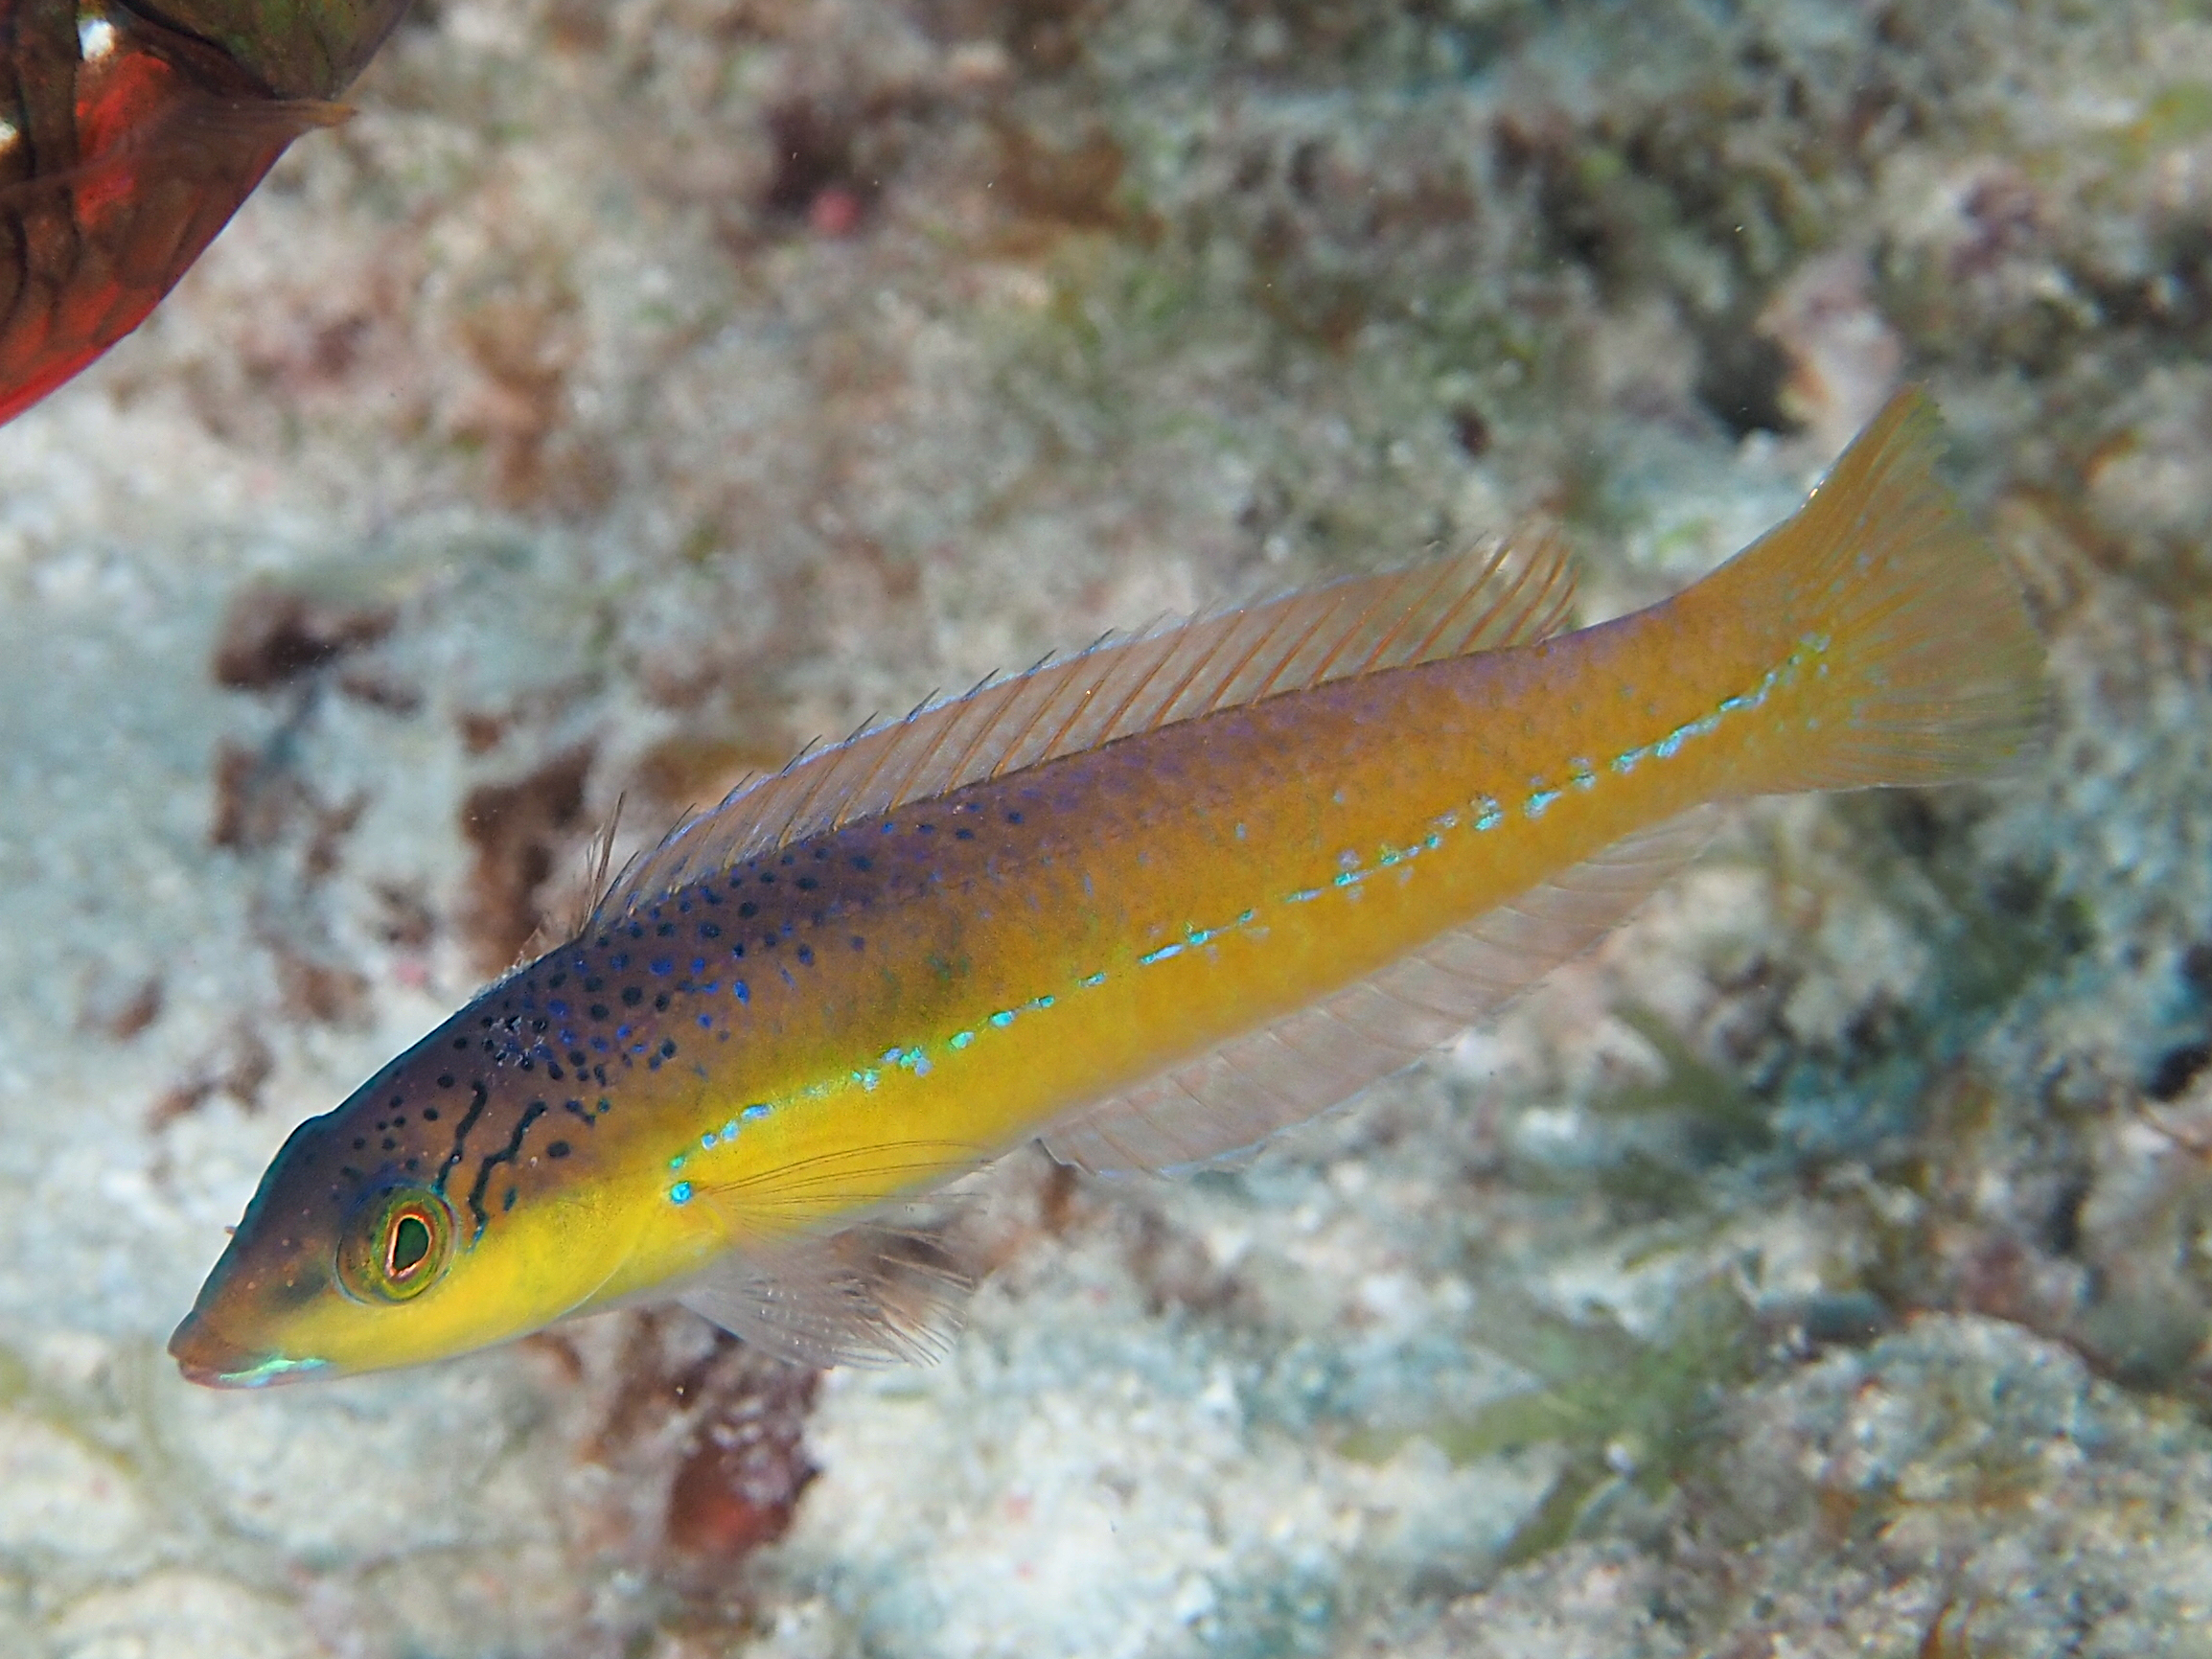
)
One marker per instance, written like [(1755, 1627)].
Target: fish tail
[(1900, 650)]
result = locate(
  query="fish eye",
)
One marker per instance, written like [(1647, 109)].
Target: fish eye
[(397, 1245), (406, 1246)]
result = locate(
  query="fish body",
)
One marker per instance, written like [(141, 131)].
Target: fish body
[(1149, 905), (127, 141)]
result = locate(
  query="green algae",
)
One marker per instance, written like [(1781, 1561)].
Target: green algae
[(1625, 1415)]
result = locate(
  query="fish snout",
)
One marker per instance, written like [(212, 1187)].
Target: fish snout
[(208, 1357)]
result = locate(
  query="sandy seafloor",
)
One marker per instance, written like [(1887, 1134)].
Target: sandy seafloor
[(1824, 1268)]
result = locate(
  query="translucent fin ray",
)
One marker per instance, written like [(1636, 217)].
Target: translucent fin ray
[(767, 1203), (1932, 670), (1224, 1103), (870, 1295), (1502, 593)]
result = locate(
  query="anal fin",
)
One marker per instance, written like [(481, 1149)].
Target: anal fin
[(1224, 1103)]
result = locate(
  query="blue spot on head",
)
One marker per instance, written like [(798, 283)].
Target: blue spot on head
[(752, 1114), (680, 1194), (737, 989), (1003, 1018), (662, 965)]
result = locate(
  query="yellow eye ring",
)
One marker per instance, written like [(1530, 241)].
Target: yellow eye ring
[(398, 1245)]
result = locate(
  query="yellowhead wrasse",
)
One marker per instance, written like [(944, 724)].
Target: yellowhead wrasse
[(1148, 904)]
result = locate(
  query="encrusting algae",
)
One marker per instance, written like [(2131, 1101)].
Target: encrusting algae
[(1149, 904)]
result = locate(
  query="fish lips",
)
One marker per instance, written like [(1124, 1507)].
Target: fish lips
[(206, 1356), (231, 1338)]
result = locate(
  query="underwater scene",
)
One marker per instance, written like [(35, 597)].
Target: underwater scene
[(1403, 1055)]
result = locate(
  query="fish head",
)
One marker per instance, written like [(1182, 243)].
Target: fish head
[(270, 1311), (373, 1243)]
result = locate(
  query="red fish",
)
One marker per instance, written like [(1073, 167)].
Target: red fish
[(125, 147)]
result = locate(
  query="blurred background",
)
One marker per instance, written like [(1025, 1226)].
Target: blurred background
[(635, 390)]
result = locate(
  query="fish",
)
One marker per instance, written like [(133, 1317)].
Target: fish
[(126, 145), (1149, 905)]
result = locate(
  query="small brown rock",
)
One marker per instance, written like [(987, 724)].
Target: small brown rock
[(272, 634)]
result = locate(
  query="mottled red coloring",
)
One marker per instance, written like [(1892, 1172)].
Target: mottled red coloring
[(736, 1488), (115, 192), (834, 212)]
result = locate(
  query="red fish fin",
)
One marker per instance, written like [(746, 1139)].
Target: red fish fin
[(871, 1295), (1500, 594), (95, 247), (1224, 1103), (1928, 669)]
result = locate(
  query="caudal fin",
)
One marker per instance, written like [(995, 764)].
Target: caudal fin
[(1910, 657)]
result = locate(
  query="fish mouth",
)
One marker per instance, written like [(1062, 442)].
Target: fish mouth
[(207, 1357)]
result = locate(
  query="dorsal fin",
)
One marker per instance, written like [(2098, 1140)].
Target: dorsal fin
[(1502, 592)]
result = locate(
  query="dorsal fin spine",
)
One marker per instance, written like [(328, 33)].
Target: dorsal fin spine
[(1450, 620), (1020, 739), (806, 803), (1060, 735), (1385, 647), (984, 731), (1190, 676), (1121, 708), (845, 814), (1283, 662), (1505, 603)]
